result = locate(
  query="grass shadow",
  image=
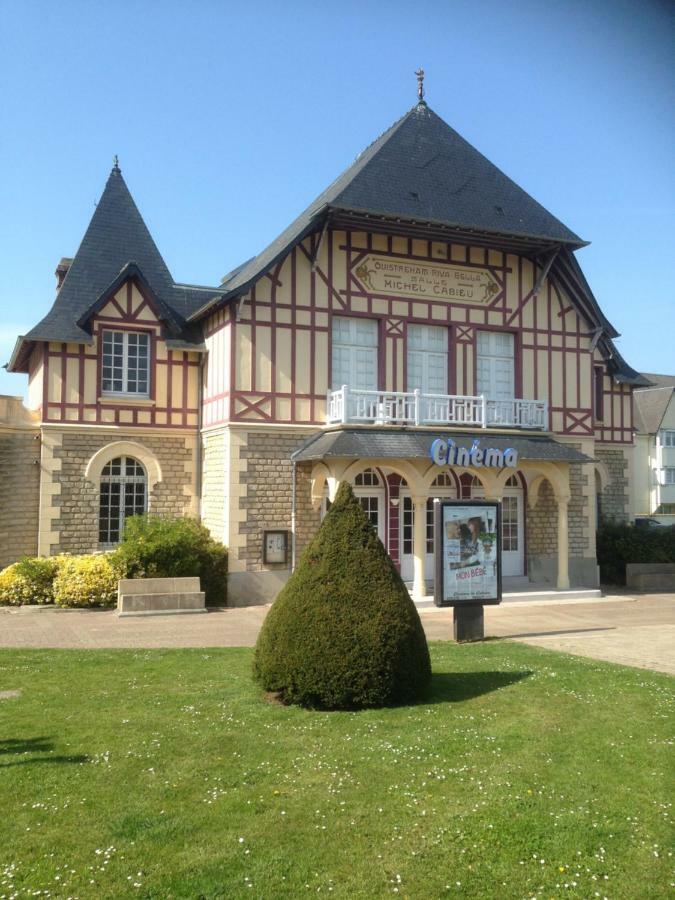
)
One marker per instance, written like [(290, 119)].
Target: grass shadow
[(23, 746), (36, 760), (454, 687)]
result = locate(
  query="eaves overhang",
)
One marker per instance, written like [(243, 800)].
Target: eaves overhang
[(410, 443)]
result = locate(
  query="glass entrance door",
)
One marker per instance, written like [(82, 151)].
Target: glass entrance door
[(443, 489), (513, 528)]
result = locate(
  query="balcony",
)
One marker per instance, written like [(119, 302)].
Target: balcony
[(347, 405)]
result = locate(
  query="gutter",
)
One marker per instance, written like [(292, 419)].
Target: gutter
[(293, 505)]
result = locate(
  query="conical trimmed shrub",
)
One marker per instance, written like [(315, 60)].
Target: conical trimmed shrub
[(344, 633)]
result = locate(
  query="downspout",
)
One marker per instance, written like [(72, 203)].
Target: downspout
[(293, 493), (198, 449)]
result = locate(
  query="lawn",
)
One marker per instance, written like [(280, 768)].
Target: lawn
[(166, 774)]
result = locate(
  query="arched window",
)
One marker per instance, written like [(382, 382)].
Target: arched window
[(124, 492), (367, 478), (445, 479)]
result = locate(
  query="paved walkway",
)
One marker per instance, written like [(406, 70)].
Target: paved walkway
[(632, 630)]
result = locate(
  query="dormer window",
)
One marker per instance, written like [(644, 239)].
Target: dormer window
[(126, 362)]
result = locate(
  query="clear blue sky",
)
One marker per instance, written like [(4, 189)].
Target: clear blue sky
[(229, 118)]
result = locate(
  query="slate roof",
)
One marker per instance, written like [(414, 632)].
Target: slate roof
[(400, 443), (650, 404), (420, 169), (117, 238)]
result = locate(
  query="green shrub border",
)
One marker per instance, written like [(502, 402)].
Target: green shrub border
[(151, 547), (618, 544)]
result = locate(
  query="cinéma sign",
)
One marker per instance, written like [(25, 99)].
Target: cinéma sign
[(401, 277), (444, 452), (468, 552)]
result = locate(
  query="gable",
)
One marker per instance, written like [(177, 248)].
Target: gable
[(128, 304)]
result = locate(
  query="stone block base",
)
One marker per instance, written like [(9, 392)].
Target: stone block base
[(584, 571), (159, 596), (255, 588), (650, 576)]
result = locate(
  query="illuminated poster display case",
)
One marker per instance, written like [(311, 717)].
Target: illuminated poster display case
[(468, 553)]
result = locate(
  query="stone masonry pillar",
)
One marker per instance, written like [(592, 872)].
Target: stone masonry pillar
[(563, 545), (419, 547)]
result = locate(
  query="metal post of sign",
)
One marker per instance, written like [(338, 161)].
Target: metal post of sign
[(468, 622)]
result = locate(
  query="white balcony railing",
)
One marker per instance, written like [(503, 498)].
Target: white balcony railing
[(415, 408)]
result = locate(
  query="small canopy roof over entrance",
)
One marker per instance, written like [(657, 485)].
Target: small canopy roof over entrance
[(364, 443)]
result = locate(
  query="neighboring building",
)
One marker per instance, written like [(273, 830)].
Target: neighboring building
[(423, 294), (654, 473)]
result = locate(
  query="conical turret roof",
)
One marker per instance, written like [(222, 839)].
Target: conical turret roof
[(116, 237)]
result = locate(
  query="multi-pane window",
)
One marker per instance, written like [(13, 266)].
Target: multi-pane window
[(123, 493), (509, 524), (371, 507), (428, 359), (126, 362), (495, 365), (667, 438), (367, 478), (354, 353), (408, 522), (668, 475)]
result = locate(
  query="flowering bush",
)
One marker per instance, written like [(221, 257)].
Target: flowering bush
[(85, 581), (28, 581), (15, 589)]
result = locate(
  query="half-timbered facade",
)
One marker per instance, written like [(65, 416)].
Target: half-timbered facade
[(422, 295)]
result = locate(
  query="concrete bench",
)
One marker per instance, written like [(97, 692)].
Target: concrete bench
[(159, 596), (650, 576)]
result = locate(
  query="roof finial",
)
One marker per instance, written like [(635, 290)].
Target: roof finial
[(116, 163), (420, 87)]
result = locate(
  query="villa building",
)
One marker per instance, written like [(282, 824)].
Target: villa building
[(422, 295), (654, 470)]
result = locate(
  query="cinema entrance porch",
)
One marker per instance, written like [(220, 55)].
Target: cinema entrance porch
[(547, 505)]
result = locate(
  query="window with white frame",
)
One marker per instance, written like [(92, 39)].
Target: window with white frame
[(354, 353), (126, 362), (667, 438), (495, 367), (668, 475), (428, 359), (123, 492)]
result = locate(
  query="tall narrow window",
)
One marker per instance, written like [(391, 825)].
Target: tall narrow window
[(598, 394), (126, 362), (124, 492), (354, 353), (428, 359), (495, 368)]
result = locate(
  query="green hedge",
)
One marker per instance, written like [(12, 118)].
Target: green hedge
[(153, 547), (344, 633), (619, 544)]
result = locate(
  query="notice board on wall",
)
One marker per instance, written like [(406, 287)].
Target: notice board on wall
[(468, 552)]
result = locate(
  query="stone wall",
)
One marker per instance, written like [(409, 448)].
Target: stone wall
[(19, 481), (76, 505), (614, 500), (542, 524), (268, 499), (216, 484)]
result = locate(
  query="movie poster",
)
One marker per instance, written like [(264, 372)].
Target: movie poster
[(469, 547)]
